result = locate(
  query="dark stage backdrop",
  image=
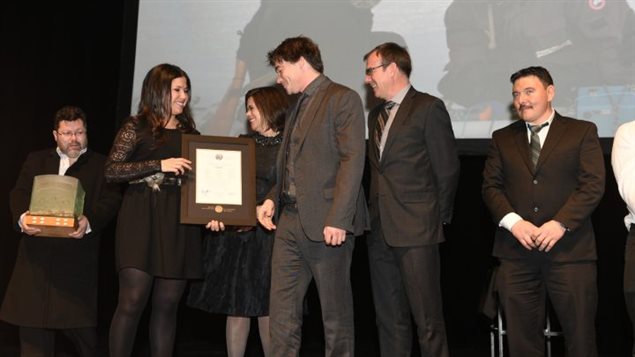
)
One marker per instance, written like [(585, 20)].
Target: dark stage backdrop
[(66, 53), (83, 55)]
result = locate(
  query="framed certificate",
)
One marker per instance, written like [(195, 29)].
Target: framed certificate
[(222, 183)]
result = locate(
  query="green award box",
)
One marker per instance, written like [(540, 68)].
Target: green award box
[(56, 203)]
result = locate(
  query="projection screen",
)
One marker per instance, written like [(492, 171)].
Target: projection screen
[(462, 51)]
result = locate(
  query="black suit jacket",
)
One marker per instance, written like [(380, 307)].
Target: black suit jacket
[(566, 186), (412, 187), (54, 282)]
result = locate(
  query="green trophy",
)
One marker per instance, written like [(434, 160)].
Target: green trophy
[(56, 203)]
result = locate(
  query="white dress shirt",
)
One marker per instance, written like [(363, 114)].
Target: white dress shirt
[(512, 217), (398, 98), (623, 161)]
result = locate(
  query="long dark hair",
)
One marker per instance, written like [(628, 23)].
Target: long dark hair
[(155, 104)]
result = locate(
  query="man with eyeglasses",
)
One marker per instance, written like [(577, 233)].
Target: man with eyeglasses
[(414, 170), (54, 282)]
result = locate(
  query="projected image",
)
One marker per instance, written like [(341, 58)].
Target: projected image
[(462, 51), (588, 46), (343, 29)]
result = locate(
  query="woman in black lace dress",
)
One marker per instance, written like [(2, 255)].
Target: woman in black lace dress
[(155, 254), (237, 262)]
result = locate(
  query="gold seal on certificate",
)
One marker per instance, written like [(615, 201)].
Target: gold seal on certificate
[(56, 202), (222, 184)]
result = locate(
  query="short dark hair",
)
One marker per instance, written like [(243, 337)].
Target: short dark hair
[(293, 48), (391, 52), (537, 71), (272, 104), (69, 113)]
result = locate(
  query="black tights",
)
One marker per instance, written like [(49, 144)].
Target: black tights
[(134, 290)]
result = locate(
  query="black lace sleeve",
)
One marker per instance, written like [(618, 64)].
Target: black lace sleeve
[(118, 169)]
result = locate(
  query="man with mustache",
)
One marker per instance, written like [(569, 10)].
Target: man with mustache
[(54, 282), (543, 177)]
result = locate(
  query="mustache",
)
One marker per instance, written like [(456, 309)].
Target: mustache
[(75, 145)]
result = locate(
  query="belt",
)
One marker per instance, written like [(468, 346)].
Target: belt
[(171, 181), (158, 179), (287, 201), (290, 206)]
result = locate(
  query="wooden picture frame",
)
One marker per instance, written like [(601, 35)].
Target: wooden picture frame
[(222, 183)]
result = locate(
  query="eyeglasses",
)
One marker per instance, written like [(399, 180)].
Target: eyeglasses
[(370, 70), (68, 134)]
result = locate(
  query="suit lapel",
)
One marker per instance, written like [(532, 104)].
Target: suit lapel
[(313, 108), (52, 165), (402, 112), (373, 150), (556, 131)]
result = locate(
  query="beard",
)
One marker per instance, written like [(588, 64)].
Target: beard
[(72, 150)]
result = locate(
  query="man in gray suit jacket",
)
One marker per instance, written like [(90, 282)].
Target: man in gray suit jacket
[(414, 170), (543, 177), (318, 199)]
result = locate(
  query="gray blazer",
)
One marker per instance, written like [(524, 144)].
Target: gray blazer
[(329, 164)]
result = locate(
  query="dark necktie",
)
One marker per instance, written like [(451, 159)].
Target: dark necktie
[(381, 122), (534, 143), (288, 180), (293, 118)]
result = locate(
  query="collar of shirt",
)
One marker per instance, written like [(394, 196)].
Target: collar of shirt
[(543, 133), (313, 86), (65, 161), (398, 98)]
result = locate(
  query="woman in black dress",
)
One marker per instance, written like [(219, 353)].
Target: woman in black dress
[(237, 262), (155, 254)]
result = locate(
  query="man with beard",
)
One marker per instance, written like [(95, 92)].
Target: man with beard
[(54, 282)]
